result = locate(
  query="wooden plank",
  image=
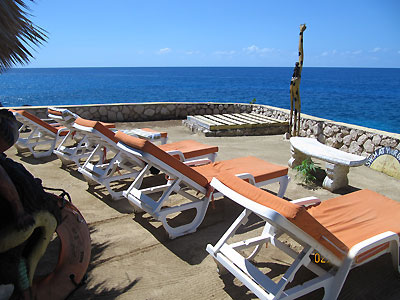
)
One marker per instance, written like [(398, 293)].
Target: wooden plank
[(228, 118), (266, 118), (258, 122), (222, 119), (210, 123), (262, 118), (248, 118), (209, 120), (228, 123), (240, 118), (234, 121), (251, 123), (203, 122)]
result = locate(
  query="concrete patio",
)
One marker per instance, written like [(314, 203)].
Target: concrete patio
[(132, 257)]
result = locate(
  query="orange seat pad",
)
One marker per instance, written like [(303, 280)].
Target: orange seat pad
[(296, 214), (260, 169), (99, 126), (108, 125), (148, 147), (190, 148), (54, 112), (40, 122), (162, 133), (357, 216), (345, 220)]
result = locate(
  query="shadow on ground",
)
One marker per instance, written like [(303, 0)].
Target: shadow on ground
[(100, 290)]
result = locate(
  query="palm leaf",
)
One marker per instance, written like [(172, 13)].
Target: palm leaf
[(17, 34)]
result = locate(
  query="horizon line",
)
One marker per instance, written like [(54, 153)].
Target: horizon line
[(86, 67)]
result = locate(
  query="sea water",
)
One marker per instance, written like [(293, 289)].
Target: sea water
[(368, 97)]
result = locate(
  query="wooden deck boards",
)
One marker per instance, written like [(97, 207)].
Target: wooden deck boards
[(234, 121)]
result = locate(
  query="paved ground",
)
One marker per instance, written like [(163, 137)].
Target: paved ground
[(132, 258)]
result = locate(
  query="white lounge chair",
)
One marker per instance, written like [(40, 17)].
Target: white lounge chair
[(42, 133), (123, 165), (68, 153), (82, 147), (348, 231), (181, 178)]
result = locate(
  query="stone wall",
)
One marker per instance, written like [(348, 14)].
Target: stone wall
[(140, 112), (350, 138), (347, 137)]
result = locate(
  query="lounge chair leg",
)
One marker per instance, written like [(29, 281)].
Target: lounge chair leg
[(283, 183), (395, 256), (174, 232), (220, 268), (64, 162), (267, 231), (333, 290)]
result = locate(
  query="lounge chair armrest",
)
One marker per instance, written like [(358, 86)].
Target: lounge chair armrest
[(62, 129), (388, 236), (197, 162), (177, 153), (247, 176), (306, 201)]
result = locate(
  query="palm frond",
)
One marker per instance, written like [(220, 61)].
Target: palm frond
[(17, 33)]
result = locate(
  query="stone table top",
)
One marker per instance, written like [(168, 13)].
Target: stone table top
[(312, 147)]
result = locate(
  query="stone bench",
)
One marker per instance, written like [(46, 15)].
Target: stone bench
[(338, 162)]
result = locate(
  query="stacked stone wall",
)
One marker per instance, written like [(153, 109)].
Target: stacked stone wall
[(350, 138), (347, 137)]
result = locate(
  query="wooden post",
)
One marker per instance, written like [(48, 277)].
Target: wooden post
[(295, 103)]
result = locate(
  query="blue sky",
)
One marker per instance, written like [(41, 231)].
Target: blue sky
[(132, 33)]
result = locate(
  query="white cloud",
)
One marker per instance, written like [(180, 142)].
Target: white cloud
[(164, 50), (253, 49), (331, 52), (229, 52), (192, 52), (376, 49), (356, 52)]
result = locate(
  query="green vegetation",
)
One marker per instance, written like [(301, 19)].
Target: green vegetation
[(253, 101), (308, 171)]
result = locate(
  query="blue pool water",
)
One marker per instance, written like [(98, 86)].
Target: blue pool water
[(361, 96)]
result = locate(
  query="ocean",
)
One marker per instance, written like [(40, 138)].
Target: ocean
[(368, 97)]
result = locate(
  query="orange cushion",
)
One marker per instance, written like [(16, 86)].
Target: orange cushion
[(97, 126), (54, 112), (148, 147), (344, 220), (296, 214), (40, 122), (190, 148), (260, 169), (108, 125), (162, 133), (358, 216)]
